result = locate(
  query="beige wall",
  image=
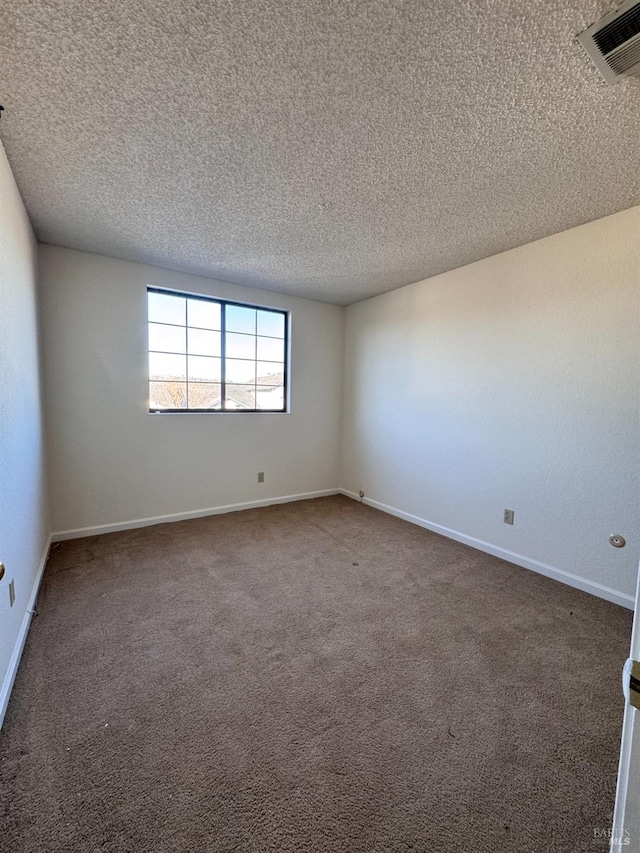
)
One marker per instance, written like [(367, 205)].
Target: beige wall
[(23, 517), (509, 383), (112, 461)]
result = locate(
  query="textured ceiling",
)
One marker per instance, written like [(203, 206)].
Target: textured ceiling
[(328, 148)]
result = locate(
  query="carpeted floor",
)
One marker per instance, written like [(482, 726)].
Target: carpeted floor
[(316, 677)]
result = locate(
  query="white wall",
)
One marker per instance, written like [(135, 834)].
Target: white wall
[(510, 383), (112, 461), (23, 519)]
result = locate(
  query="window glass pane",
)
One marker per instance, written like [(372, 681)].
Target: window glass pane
[(164, 308), (167, 395), (241, 319), (270, 349), (270, 398), (268, 371), (240, 371), (240, 397), (240, 346), (162, 366), (185, 354), (203, 343), (204, 395), (271, 323), (206, 315), (204, 369), (166, 338)]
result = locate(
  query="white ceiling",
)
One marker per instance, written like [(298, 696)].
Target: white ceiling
[(327, 148)]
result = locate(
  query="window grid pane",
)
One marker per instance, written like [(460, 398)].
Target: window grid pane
[(203, 368), (165, 338), (211, 355), (203, 342), (204, 395), (204, 314), (240, 319), (271, 324), (167, 308), (240, 346), (270, 349)]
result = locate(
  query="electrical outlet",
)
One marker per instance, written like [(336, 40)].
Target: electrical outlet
[(12, 593), (508, 516), (261, 476)]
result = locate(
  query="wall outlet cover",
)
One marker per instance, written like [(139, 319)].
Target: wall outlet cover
[(509, 516)]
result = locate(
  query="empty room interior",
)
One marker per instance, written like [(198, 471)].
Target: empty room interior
[(319, 426)]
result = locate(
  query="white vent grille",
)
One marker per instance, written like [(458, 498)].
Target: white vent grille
[(613, 42)]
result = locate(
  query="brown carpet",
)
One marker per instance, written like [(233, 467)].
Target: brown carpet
[(314, 677)]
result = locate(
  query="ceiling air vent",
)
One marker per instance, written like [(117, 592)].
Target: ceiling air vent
[(613, 42)]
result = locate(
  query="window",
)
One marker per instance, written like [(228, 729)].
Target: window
[(208, 355)]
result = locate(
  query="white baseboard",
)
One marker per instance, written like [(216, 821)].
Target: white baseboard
[(81, 532), (14, 663), (576, 581)]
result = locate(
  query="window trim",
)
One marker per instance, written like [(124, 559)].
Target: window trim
[(286, 408)]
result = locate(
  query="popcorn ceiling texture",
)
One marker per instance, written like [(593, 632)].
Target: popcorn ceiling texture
[(326, 149)]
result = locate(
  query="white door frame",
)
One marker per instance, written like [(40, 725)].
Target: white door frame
[(625, 833)]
